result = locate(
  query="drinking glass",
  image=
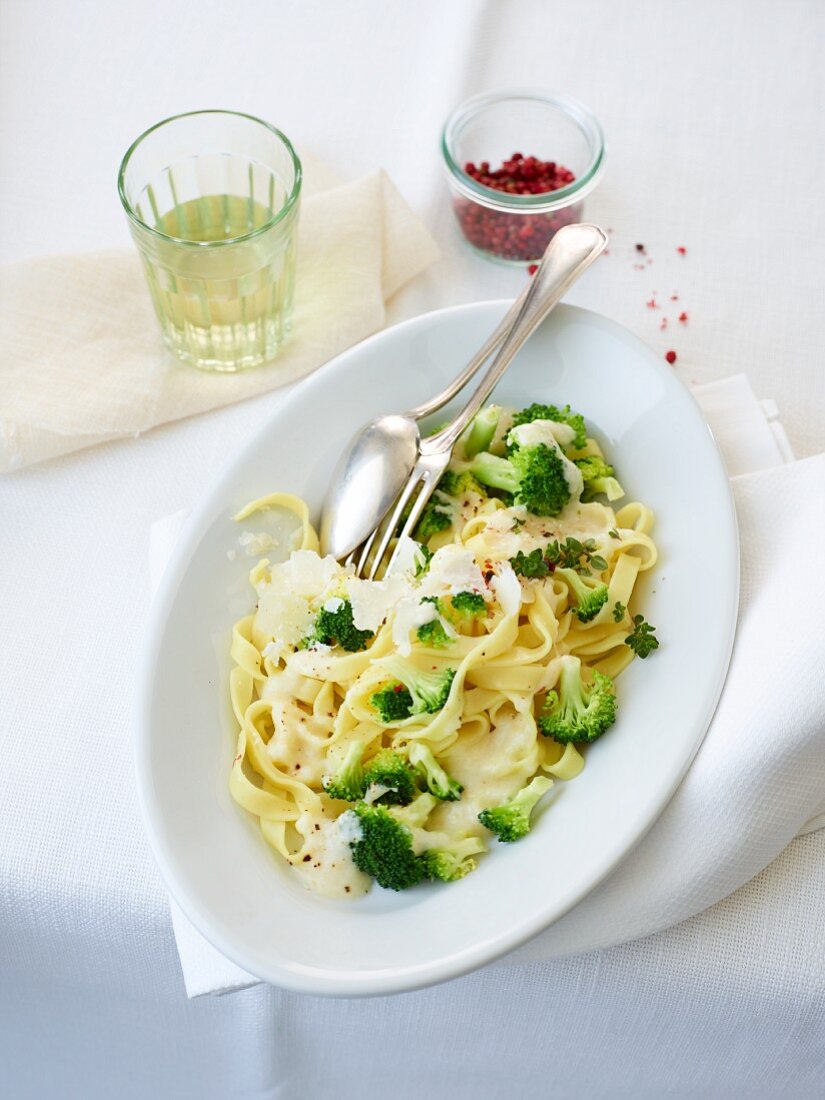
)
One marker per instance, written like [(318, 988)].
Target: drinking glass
[(212, 199)]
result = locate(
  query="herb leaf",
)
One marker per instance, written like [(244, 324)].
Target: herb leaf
[(532, 565), (618, 612), (642, 640)]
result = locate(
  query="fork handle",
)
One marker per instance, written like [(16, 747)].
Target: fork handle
[(492, 344), (569, 254)]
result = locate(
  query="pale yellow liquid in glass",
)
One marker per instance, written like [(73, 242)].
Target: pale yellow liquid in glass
[(225, 307)]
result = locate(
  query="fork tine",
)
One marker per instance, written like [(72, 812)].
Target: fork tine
[(389, 527), (428, 483), (362, 555)]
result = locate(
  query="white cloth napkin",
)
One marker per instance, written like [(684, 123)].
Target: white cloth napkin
[(759, 777), (81, 359)]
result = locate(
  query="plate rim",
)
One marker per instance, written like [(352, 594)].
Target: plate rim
[(314, 980)]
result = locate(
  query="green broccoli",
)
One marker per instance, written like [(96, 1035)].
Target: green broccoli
[(428, 689), (436, 779), (558, 416), (467, 606), (416, 813), (393, 703), (598, 478), (511, 820), (578, 711), (453, 863), (388, 769), (479, 435), (348, 783), (433, 520), (337, 628), (457, 484), (384, 849), (434, 635), (424, 556), (590, 593), (534, 475)]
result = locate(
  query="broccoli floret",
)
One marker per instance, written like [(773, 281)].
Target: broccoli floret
[(453, 863), (590, 593), (393, 703), (416, 813), (428, 689), (433, 634), (560, 416), (479, 435), (578, 711), (348, 783), (424, 556), (511, 821), (598, 478), (437, 780), (466, 606), (384, 849), (388, 769), (337, 628), (534, 475), (457, 484), (433, 519)]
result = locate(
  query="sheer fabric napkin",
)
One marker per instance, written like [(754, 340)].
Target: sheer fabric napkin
[(759, 777), (81, 359)]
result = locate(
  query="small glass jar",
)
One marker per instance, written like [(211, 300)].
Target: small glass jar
[(516, 228)]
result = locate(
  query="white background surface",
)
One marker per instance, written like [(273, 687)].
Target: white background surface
[(713, 117)]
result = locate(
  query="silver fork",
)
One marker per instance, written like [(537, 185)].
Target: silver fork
[(570, 253)]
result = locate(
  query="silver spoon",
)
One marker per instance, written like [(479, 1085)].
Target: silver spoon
[(378, 463)]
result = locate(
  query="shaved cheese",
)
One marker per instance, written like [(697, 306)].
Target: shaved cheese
[(282, 615), (410, 614), (507, 589), (409, 557), (373, 600), (335, 603), (453, 569), (256, 543)]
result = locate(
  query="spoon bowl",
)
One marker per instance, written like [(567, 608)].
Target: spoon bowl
[(372, 471)]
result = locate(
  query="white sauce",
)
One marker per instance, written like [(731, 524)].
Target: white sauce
[(329, 869)]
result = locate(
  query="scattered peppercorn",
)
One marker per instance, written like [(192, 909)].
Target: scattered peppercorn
[(640, 248), (683, 317), (682, 250), (532, 269), (671, 357)]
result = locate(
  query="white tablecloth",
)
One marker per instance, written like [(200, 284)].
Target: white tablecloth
[(712, 114)]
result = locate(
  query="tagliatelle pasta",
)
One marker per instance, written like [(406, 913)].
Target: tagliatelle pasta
[(451, 680)]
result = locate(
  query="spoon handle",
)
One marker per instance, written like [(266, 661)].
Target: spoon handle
[(569, 254), (474, 366)]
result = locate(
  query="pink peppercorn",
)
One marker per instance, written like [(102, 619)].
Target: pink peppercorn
[(671, 357), (515, 236)]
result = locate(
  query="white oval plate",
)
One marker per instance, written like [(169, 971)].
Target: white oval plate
[(232, 887)]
